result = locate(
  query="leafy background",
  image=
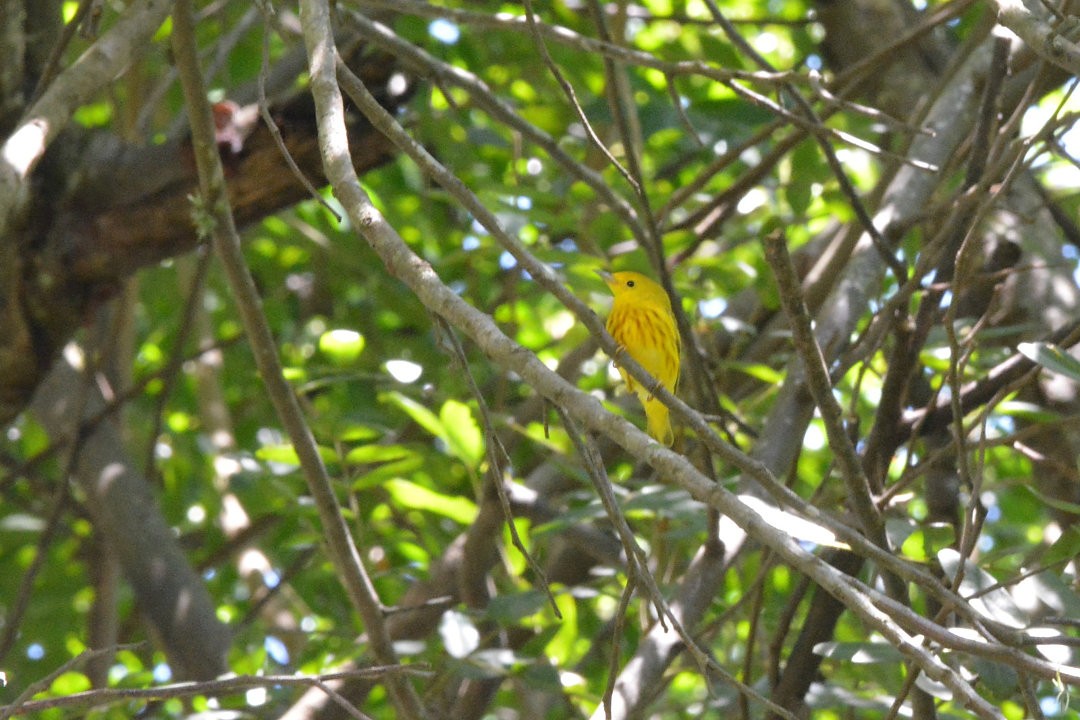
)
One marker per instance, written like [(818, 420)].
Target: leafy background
[(403, 436)]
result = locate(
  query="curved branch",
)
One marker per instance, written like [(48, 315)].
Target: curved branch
[(108, 209), (1031, 22)]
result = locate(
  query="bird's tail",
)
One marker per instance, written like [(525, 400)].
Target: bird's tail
[(659, 422)]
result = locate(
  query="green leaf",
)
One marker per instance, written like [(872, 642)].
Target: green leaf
[(898, 530), (380, 474), (366, 454), (417, 497), (1064, 548), (357, 433), (924, 543), (70, 683), (285, 454), (1026, 411), (914, 548), (1052, 358), (419, 414), (1000, 679), (758, 371), (987, 597), (797, 189), (1053, 502), (543, 677), (461, 432), (660, 499), (510, 609), (341, 346), (563, 646)]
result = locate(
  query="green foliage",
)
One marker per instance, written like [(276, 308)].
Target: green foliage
[(391, 407)]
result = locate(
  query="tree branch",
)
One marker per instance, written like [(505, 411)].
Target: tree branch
[(1030, 20), (218, 214), (125, 512), (72, 88), (225, 686), (425, 283)]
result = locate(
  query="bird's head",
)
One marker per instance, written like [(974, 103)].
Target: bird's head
[(633, 285)]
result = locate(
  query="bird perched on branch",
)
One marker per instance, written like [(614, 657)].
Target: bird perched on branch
[(642, 322)]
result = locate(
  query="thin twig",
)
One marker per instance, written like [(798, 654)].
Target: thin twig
[(427, 65), (817, 374), (222, 686), (271, 124), (52, 65), (171, 372), (684, 119), (635, 556), (13, 614), (498, 460), (818, 131), (22, 705), (568, 89)]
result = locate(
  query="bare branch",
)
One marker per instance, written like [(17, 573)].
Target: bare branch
[(343, 550), (225, 686), (1053, 42), (72, 88)]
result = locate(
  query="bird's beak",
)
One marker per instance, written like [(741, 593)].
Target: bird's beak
[(606, 277)]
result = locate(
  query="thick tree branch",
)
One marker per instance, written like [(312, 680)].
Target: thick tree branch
[(104, 210), (169, 593), (1031, 21), (71, 89)]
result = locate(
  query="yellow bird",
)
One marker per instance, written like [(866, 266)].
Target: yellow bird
[(642, 322)]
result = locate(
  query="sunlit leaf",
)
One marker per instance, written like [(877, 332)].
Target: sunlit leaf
[(1026, 411), (1052, 357), (985, 593), (21, 522), (69, 683), (563, 646), (419, 413), (341, 346), (376, 454), (416, 497), (285, 454), (797, 527), (459, 634), (462, 432), (1064, 548), (758, 371), (926, 540), (933, 687)]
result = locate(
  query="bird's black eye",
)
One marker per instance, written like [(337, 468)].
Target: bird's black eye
[(629, 283)]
